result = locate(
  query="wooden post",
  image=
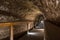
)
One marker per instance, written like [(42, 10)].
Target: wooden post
[(11, 32), (28, 26)]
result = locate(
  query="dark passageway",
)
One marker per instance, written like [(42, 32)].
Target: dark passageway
[(35, 34)]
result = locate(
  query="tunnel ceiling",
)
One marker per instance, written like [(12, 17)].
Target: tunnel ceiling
[(29, 9), (23, 9)]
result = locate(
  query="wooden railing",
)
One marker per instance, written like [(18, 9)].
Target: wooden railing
[(10, 24)]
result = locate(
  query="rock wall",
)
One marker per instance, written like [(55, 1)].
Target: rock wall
[(52, 32)]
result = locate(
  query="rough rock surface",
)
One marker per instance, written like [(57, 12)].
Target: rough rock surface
[(23, 8), (29, 9)]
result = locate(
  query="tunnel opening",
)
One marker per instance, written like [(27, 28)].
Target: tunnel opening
[(39, 22)]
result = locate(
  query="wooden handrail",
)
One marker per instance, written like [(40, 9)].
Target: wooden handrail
[(13, 23), (10, 24)]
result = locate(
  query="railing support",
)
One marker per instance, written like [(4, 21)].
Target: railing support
[(11, 32)]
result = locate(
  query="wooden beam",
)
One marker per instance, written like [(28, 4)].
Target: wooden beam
[(11, 33)]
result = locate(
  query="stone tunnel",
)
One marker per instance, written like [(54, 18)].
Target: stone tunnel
[(20, 12)]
